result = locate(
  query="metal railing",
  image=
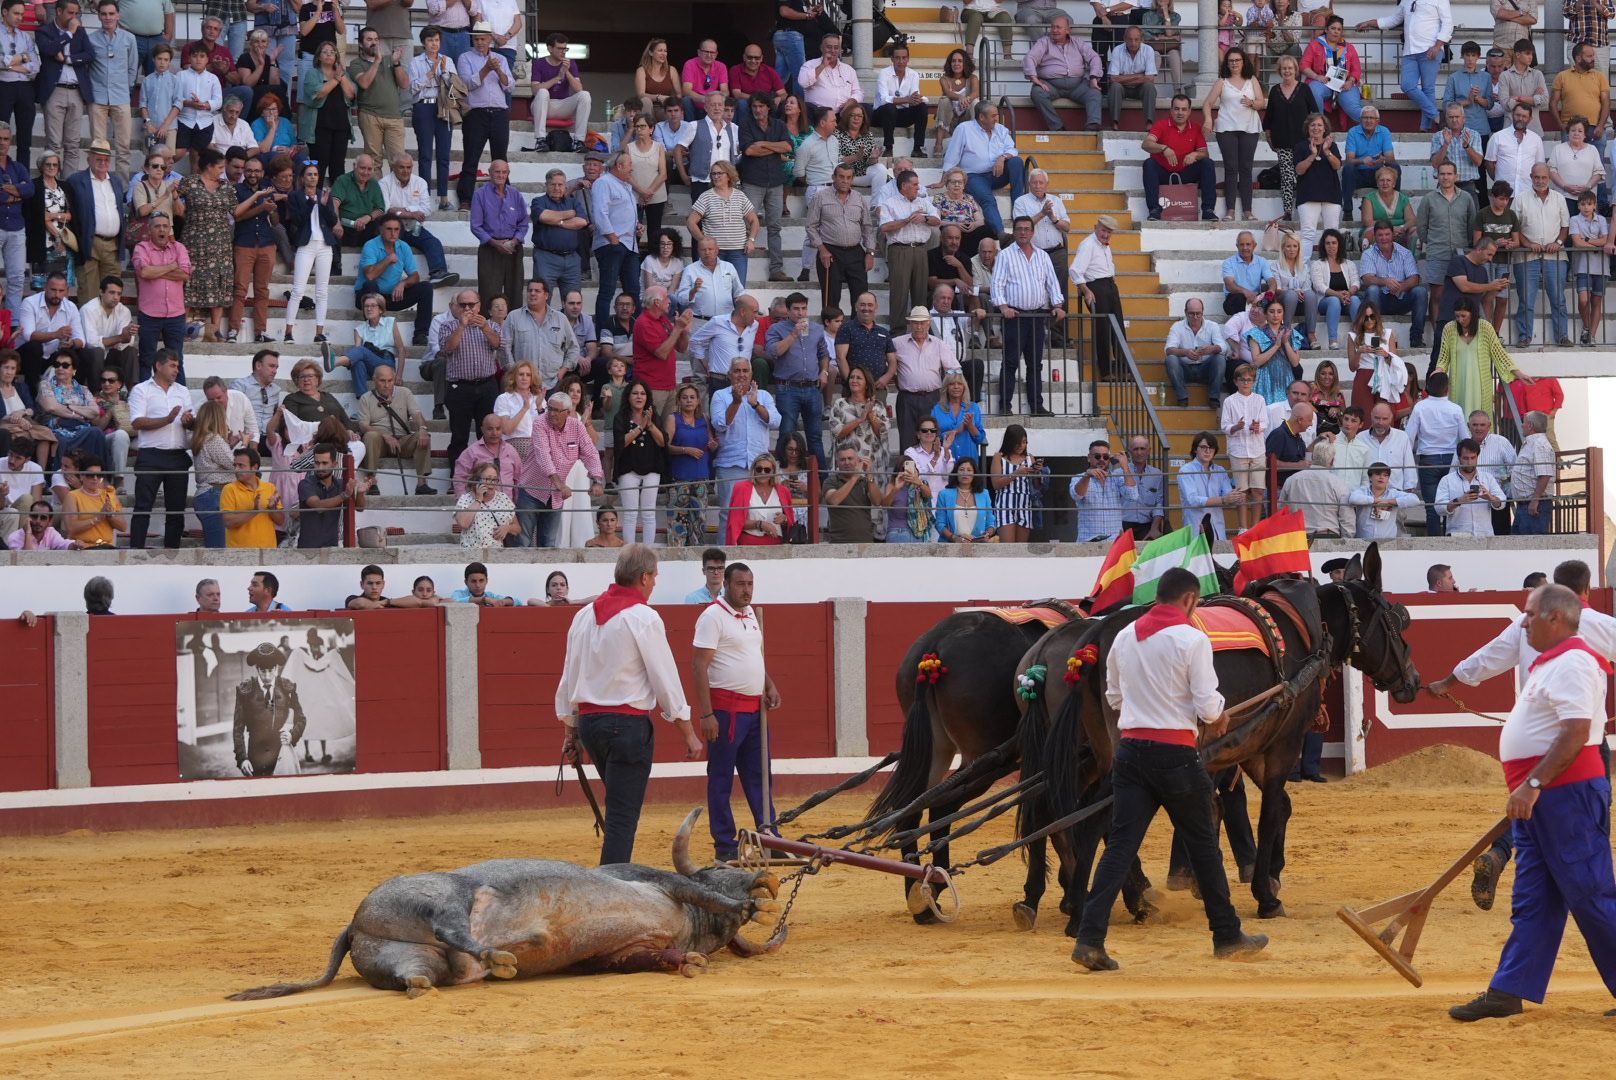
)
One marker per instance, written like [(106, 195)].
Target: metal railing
[(1129, 410)]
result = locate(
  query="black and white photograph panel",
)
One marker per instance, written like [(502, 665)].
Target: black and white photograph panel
[(265, 698)]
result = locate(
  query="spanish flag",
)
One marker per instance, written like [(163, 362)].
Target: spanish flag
[(1275, 545), (1115, 583)]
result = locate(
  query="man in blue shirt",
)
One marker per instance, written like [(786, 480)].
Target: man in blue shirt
[(800, 356), (1391, 282), (713, 561), (115, 69), (987, 153), (16, 188), (1097, 495), (1246, 275), (255, 241), (476, 590), (743, 418), (614, 206), (1369, 147), (387, 266), (559, 221), (66, 65)]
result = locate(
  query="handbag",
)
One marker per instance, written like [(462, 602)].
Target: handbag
[(452, 95), (1180, 201)]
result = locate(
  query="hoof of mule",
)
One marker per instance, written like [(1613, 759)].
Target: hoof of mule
[(1025, 916), (694, 964), (918, 905), (1275, 912), (417, 985), (1180, 882), (1146, 912)]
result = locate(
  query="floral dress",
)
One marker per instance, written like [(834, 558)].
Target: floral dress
[(209, 239), (497, 511), (56, 256), (959, 212)]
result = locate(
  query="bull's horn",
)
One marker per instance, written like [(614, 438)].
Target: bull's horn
[(681, 845), (740, 946)]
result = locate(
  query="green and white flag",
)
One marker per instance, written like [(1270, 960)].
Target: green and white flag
[(1187, 548)]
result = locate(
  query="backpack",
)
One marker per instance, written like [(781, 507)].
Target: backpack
[(558, 141)]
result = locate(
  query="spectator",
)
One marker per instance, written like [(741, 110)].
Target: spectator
[(958, 208), (1334, 70), (540, 335), (1462, 493), (476, 589), (1097, 494), (1320, 494), (560, 475), (160, 99), (959, 85), (1280, 412), (257, 217), (499, 222), (486, 116), (66, 64), (1447, 222), (958, 418), (558, 90), (378, 341), (760, 510), (726, 215), (1093, 271), (1499, 223), (13, 226), (1239, 97), (160, 411), (92, 515), (1317, 164), (1513, 21), (1247, 276), (48, 323), (37, 533), (273, 133), (22, 481), (260, 388), (639, 462), (691, 444), (861, 343), (1194, 353), (372, 595), (1244, 419), (1051, 224), (1024, 285), (1327, 398), (111, 75), (208, 202), (1545, 224), (800, 354), (1497, 457), (1204, 487), (251, 510), (1294, 286), (957, 329), (1335, 284), (1522, 85), (965, 509), (1175, 146), (231, 132), (1287, 443), (1574, 166), (1435, 427), (1381, 374), (987, 153), (721, 341), (1590, 242), (555, 591), (114, 422), (907, 220), (321, 496), (467, 345), (826, 82), (1512, 155), (1497, 61), (1369, 151), (921, 368), (491, 448), (484, 514), (648, 173), (427, 73), (1351, 456), (1427, 28), (1061, 66), (406, 197), (709, 286), (657, 342), (1392, 281), (1531, 478), (615, 218), (712, 140), (1390, 446), (1379, 506), (313, 231), (1469, 281), (1388, 204), (743, 416), (392, 426), (1131, 69), (664, 266), (1273, 353), (841, 229), (309, 403), (201, 97), (1143, 490), (1474, 359), (853, 499), (1543, 394), (1017, 480), (899, 102), (1439, 579), (713, 561), (1459, 144)]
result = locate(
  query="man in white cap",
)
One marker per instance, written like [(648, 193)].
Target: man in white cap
[(1094, 272), (100, 214), (922, 362)]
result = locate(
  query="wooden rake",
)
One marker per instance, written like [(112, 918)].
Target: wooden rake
[(1407, 913)]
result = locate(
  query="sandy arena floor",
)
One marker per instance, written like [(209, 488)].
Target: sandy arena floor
[(121, 947)]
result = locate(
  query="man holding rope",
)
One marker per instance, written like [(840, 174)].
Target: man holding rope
[(1159, 675), (1559, 798), (1512, 649), (619, 667)]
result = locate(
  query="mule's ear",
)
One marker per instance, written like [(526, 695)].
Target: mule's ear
[(1371, 567), (1354, 570)]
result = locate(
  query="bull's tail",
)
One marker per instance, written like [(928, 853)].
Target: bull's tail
[(339, 949), (913, 774)]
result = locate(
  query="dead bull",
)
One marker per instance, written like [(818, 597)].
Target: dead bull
[(512, 917)]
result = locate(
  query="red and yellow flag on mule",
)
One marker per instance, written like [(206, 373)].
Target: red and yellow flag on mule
[(1275, 545), (1115, 583)]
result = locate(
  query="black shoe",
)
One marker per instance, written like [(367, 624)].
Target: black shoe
[(1487, 1006), (804, 275), (425, 489), (288, 337), (444, 277), (325, 759), (1315, 778), (262, 339), (438, 412), (1042, 412), (419, 341), (1247, 945), (1184, 403), (1416, 343), (1154, 215), (1484, 886), (1208, 215), (1093, 957), (319, 339)]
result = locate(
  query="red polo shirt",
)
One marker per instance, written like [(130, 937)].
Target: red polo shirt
[(1183, 143), (650, 333), (766, 81)]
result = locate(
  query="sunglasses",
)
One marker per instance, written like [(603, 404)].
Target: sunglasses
[(110, 380), (762, 472), (62, 364), (928, 431)]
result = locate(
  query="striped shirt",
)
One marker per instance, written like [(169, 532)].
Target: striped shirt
[(1099, 508), (552, 452), (724, 219), (1025, 280), (473, 359)]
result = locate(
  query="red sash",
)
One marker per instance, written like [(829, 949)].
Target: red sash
[(1171, 736), (1587, 764)]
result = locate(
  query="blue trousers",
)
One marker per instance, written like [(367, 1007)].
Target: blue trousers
[(982, 185), (171, 332), (1530, 524), (563, 273), (538, 521), (206, 505), (1550, 275), (738, 748), (454, 43), (1433, 467), (1351, 101), (789, 57), (1419, 83), (1504, 846), (1413, 303), (1562, 866), (428, 246), (801, 406), (620, 745), (432, 136), (619, 272), (362, 363)]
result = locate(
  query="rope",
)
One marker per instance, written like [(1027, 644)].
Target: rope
[(1449, 694), (830, 792)]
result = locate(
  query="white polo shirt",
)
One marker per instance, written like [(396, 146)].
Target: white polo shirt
[(148, 401), (737, 643), (1570, 686)]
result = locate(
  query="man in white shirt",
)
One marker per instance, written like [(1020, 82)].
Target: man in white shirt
[(1051, 224), (1390, 445), (1159, 678), (231, 130), (1466, 496), (986, 151), (160, 413), (826, 82), (21, 482), (1194, 353), (1497, 457), (1531, 478), (709, 286), (674, 135), (1512, 153), (732, 689), (716, 345), (239, 418), (1132, 68), (1296, 394), (1427, 29), (1094, 272), (617, 669), (109, 334), (1320, 494), (1434, 428), (407, 198), (899, 102), (1379, 506), (908, 221), (46, 322), (1545, 223), (1559, 806)]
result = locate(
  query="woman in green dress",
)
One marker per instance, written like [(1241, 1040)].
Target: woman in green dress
[(1475, 360)]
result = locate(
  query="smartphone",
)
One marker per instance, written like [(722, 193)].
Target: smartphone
[(1475, 489)]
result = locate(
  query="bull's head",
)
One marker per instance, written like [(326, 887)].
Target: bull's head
[(757, 888)]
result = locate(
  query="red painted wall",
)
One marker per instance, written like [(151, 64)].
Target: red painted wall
[(28, 720), (520, 653), (132, 729), (889, 631)]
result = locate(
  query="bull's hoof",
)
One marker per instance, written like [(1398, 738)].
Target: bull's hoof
[(1178, 882), (694, 964), (763, 908), (500, 964), (766, 884), (1025, 916), (1276, 911), (417, 985)]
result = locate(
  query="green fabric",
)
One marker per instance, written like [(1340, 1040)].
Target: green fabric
[(1186, 547), (1465, 389), (356, 203), (382, 97), (309, 102)]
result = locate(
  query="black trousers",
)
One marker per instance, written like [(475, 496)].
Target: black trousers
[(620, 745), (352, 238), (417, 296), (490, 128), (330, 149), (499, 274), (1151, 776), (165, 469), (846, 268), (468, 401), (1023, 335), (889, 117), (17, 106), (1107, 301)]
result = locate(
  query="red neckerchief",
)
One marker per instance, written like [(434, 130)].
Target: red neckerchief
[(616, 599), (1159, 618), (1570, 644), (725, 604)]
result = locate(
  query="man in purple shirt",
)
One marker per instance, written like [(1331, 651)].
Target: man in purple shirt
[(499, 222), (487, 117), (558, 90)]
